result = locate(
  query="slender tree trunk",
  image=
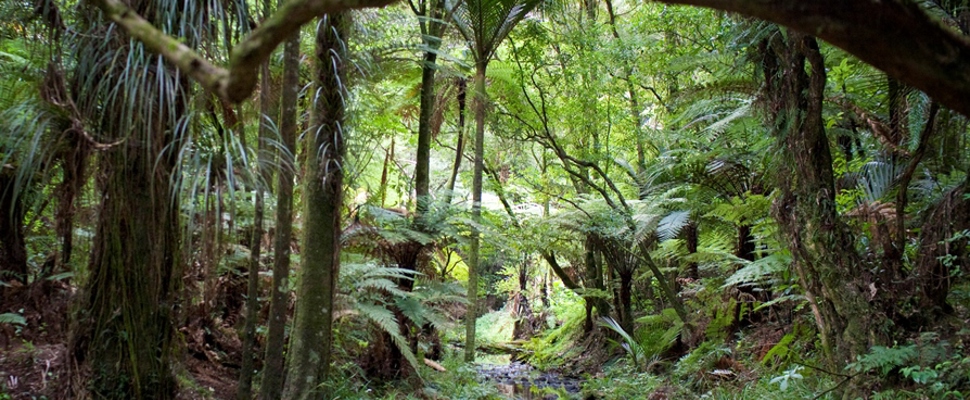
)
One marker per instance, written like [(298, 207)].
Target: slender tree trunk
[(431, 30), (75, 161), (271, 386), (474, 256), (13, 247), (310, 345), (691, 239), (626, 299), (244, 390), (594, 272), (460, 142), (388, 158)]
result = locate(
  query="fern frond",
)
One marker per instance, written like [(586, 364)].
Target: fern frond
[(670, 226)]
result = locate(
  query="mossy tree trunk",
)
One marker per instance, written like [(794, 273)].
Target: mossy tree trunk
[(474, 259), (273, 377), (825, 260), (311, 340), (122, 339)]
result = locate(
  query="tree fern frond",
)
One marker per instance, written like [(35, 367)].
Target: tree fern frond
[(758, 271), (670, 226), (384, 319)]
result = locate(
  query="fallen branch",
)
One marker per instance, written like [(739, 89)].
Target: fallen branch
[(435, 366)]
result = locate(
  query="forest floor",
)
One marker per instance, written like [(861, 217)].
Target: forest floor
[(34, 356)]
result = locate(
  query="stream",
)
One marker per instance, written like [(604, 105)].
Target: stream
[(523, 382)]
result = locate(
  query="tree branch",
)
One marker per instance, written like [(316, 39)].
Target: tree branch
[(236, 83), (896, 36)]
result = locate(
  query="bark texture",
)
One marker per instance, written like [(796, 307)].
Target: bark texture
[(122, 338), (474, 259), (311, 340), (236, 83), (273, 377), (825, 261)]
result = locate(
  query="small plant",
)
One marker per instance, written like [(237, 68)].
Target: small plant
[(931, 367), (785, 379)]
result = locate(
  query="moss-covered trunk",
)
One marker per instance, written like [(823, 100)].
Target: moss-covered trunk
[(474, 257), (311, 340), (123, 337), (825, 260), (272, 383)]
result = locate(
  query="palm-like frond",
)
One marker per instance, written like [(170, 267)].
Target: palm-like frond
[(486, 23), (670, 226)]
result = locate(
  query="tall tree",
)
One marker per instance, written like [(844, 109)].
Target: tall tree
[(122, 341), (430, 15), (311, 341), (826, 262), (266, 115), (484, 24), (271, 386)]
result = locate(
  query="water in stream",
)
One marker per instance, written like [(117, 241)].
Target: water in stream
[(522, 382)]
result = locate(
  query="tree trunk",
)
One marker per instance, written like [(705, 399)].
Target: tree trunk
[(272, 384), (459, 142), (826, 263), (431, 30), (474, 256), (13, 248), (122, 343), (692, 240), (309, 356), (244, 389), (594, 274), (626, 299)]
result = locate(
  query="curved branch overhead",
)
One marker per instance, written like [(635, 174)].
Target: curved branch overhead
[(896, 36), (237, 82)]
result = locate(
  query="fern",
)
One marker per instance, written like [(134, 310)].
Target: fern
[(671, 224), (759, 270), (384, 319), (13, 319)]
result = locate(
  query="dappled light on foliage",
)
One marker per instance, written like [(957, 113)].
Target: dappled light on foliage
[(654, 201)]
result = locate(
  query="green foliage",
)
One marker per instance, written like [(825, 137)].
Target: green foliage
[(621, 381), (495, 327), (693, 368), (932, 367), (780, 352), (555, 346), (761, 270), (655, 335), (373, 292), (13, 319)]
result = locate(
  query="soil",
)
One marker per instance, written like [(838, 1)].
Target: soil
[(33, 356)]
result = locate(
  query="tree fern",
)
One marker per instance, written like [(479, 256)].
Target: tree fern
[(760, 270)]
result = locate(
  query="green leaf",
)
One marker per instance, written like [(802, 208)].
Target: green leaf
[(13, 319)]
